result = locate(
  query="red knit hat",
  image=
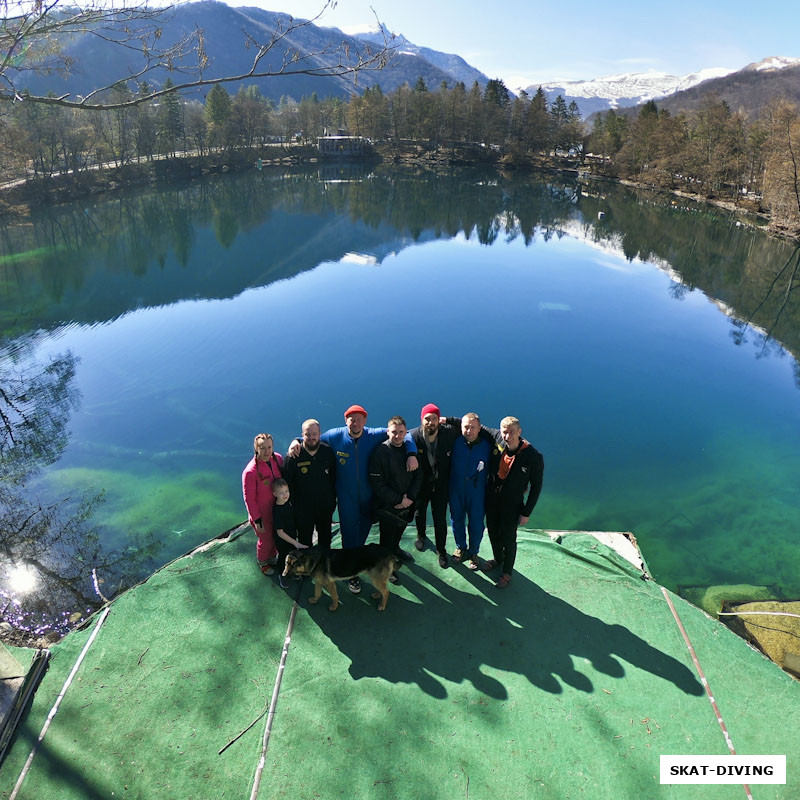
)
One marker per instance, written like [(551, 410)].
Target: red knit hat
[(355, 410), (430, 408)]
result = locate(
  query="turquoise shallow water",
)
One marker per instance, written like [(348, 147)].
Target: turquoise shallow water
[(200, 316)]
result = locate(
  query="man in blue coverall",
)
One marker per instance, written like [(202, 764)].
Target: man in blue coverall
[(468, 471), (353, 445)]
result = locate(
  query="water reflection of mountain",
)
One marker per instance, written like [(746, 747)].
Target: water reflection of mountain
[(216, 238)]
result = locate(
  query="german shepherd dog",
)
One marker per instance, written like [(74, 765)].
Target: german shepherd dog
[(325, 567)]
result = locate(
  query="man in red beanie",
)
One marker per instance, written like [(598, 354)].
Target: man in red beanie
[(434, 439), (353, 445)]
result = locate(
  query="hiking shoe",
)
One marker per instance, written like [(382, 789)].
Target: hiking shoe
[(420, 543), (282, 582), (266, 569), (403, 555), (443, 560), (354, 585)]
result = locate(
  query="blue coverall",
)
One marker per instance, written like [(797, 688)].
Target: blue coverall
[(468, 492), (353, 491)]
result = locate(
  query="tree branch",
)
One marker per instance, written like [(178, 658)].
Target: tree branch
[(42, 31)]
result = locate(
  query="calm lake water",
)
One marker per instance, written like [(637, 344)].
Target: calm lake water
[(648, 346)]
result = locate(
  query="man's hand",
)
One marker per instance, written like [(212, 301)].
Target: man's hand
[(523, 521), (404, 503), (301, 546), (294, 448), (411, 462)]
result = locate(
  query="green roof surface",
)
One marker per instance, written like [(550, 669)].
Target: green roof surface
[(568, 684)]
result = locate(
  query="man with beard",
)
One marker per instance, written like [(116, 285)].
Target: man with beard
[(352, 446), (516, 467), (312, 481), (394, 487), (434, 439)]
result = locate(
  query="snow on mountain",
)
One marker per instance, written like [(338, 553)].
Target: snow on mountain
[(687, 81), (454, 65), (628, 89), (773, 62)]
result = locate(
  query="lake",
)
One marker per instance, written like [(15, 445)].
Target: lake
[(648, 346)]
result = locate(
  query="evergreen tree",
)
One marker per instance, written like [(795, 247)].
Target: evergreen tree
[(218, 106), (169, 121), (559, 120), (218, 114), (538, 124), (496, 93)]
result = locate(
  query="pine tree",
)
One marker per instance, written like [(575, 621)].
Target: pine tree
[(496, 93), (218, 106), (538, 125), (169, 122)]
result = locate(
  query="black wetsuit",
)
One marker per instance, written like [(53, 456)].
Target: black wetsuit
[(390, 480), (435, 479), (506, 501), (312, 483)]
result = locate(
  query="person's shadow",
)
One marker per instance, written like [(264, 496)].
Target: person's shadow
[(451, 634)]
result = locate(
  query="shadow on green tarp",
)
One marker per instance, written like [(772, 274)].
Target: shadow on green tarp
[(526, 631), (571, 682)]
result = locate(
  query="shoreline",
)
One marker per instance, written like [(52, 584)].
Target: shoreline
[(20, 198)]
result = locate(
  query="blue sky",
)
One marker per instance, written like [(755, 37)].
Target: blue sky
[(527, 42)]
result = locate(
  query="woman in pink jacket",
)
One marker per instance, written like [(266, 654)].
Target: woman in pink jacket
[(257, 479)]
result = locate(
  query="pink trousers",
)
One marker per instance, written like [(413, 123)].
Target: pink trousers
[(265, 546)]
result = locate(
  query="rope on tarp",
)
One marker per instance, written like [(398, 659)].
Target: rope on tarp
[(274, 702), (56, 705), (268, 704), (704, 681)]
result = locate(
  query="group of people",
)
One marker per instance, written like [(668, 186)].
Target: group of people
[(392, 476)]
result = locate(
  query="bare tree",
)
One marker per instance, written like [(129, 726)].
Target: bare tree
[(33, 35), (782, 169), (56, 541)]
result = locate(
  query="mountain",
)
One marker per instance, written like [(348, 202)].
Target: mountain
[(749, 90), (99, 62), (619, 91), (772, 63), (453, 65)]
